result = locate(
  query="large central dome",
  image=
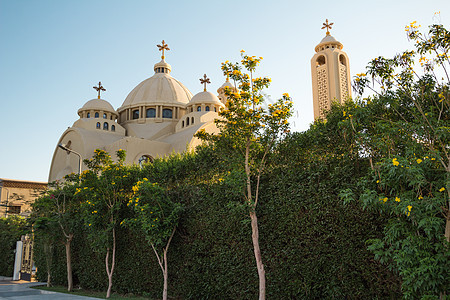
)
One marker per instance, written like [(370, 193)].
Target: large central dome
[(160, 89)]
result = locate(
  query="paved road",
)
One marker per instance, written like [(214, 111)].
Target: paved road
[(20, 290)]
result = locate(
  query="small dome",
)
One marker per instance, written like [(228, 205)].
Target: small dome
[(97, 104), (329, 41), (162, 67), (227, 83), (206, 98)]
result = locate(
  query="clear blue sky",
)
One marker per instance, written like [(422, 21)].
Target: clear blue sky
[(52, 52)]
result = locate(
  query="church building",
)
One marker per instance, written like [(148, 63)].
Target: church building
[(161, 116)]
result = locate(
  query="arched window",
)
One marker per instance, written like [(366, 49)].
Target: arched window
[(342, 60), (320, 60), (187, 121), (145, 159), (110, 117), (182, 124), (104, 116), (192, 120), (96, 115), (150, 113), (98, 125), (215, 109), (105, 126), (199, 108), (135, 114), (167, 113), (113, 127), (207, 108), (89, 115)]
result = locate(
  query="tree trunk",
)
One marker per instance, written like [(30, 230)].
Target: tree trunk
[(257, 251), (165, 275), (69, 262), (108, 271)]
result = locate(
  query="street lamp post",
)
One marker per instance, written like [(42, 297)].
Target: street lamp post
[(65, 148)]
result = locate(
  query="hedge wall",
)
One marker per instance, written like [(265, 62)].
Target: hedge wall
[(11, 229), (312, 245)]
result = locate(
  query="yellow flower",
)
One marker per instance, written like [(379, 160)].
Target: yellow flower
[(397, 199), (442, 189), (378, 181), (286, 95), (433, 158), (89, 224), (420, 198), (385, 199), (395, 162), (419, 160), (242, 51), (409, 207)]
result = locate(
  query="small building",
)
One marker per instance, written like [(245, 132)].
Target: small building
[(16, 196)]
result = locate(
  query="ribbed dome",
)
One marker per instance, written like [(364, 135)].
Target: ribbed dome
[(206, 98), (161, 89), (97, 104), (328, 40)]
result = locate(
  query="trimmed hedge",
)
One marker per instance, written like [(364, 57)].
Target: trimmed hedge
[(312, 245), (11, 229)]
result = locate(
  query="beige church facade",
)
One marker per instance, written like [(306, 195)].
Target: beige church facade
[(158, 117), (161, 116)]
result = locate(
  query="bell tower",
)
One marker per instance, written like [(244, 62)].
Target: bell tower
[(330, 71)]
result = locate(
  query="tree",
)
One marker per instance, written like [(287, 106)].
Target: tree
[(156, 215), (248, 133), (11, 229), (104, 189), (54, 219), (404, 130)]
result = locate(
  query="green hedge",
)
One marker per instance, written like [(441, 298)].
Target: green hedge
[(11, 229), (312, 245)]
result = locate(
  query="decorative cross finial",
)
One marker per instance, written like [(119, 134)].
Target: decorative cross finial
[(327, 26), (99, 88), (204, 81), (163, 47)]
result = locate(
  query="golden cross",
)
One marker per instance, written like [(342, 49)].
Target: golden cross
[(99, 88), (327, 26), (163, 47), (204, 81)]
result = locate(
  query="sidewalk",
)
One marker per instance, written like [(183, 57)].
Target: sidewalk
[(20, 290)]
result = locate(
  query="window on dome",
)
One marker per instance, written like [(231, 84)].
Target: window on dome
[(89, 115), (110, 117), (105, 126), (151, 113), (207, 108), (215, 109), (167, 113), (192, 120), (182, 124), (187, 122), (113, 128), (199, 108), (98, 125), (135, 114), (96, 115), (104, 116)]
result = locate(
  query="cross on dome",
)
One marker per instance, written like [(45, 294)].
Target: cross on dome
[(99, 88), (163, 47), (204, 81), (327, 26)]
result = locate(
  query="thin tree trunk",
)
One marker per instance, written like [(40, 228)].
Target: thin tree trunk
[(257, 251), (69, 262), (166, 275), (110, 272)]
